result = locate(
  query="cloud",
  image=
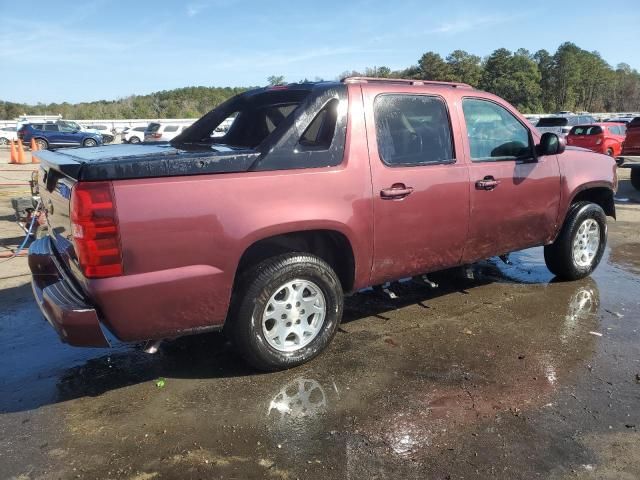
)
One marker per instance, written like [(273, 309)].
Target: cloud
[(195, 8), (471, 23)]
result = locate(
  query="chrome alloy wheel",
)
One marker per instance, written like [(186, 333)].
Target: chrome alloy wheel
[(586, 243), (294, 315)]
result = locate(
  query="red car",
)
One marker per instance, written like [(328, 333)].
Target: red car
[(315, 191), (630, 156), (606, 137)]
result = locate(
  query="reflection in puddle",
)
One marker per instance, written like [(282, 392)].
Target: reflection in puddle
[(582, 304), (301, 397)]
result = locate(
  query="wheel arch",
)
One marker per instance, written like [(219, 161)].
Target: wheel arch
[(331, 245), (599, 194)]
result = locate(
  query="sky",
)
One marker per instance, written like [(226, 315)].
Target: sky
[(57, 51)]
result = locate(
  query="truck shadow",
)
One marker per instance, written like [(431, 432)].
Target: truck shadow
[(39, 371)]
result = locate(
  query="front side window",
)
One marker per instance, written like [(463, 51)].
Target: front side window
[(413, 130), (494, 133), (49, 127), (66, 128)]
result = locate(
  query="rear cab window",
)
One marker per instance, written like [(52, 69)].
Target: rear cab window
[(413, 130), (246, 122), (319, 133)]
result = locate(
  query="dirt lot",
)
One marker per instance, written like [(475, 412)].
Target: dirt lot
[(505, 375)]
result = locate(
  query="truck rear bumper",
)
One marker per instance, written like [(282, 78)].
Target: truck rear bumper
[(75, 321)]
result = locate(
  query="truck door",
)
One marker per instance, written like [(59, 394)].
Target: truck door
[(420, 185), (514, 196)]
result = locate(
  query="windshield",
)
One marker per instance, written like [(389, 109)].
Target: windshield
[(553, 122), (245, 121)]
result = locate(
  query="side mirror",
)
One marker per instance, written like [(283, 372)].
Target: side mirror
[(550, 144)]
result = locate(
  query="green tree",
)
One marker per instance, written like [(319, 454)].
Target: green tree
[(432, 67), (544, 60), (275, 80), (514, 77), (465, 67)]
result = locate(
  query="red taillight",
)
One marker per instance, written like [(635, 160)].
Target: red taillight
[(94, 225), (156, 135)]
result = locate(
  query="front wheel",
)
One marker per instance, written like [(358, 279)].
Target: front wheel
[(4, 141), (42, 144), (89, 142), (579, 248), (286, 311)]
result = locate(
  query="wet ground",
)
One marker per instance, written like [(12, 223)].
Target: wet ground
[(506, 374)]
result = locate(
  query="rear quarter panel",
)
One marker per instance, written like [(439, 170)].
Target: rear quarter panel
[(182, 237)]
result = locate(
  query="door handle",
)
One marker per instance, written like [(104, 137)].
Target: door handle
[(397, 191), (487, 183)]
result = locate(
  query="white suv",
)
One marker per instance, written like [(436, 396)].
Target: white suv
[(7, 134), (133, 134), (162, 132)]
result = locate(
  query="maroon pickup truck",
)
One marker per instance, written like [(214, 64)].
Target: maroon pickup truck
[(314, 191)]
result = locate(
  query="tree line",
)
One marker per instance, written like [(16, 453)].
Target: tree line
[(569, 79)]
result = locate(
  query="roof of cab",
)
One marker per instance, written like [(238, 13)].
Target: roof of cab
[(406, 81)]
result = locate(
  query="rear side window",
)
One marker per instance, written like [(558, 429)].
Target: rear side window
[(319, 133), (413, 130), (49, 127), (494, 133), (171, 128), (153, 128), (553, 122), (586, 130)]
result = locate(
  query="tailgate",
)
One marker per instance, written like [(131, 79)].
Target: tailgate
[(55, 191)]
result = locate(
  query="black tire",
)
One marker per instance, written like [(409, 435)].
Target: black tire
[(42, 144), (559, 255), (89, 142), (254, 290), (134, 140), (635, 178), (4, 141), (610, 152)]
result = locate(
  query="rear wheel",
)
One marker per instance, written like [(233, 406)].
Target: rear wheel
[(635, 178), (578, 249), (610, 152), (42, 144), (4, 141), (286, 311), (134, 140), (89, 142)]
